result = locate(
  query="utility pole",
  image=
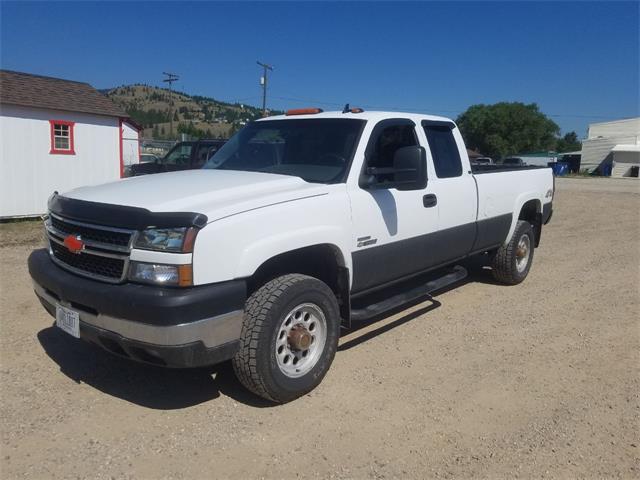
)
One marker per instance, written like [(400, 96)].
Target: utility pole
[(171, 77), (263, 82)]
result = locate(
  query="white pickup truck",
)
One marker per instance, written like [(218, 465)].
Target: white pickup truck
[(298, 225)]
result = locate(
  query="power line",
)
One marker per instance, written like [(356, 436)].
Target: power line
[(423, 110)]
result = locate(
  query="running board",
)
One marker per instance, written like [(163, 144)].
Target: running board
[(424, 290)]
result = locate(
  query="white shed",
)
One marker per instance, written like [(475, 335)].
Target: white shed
[(56, 135), (130, 143)]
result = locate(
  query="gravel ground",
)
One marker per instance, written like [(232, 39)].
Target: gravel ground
[(536, 380)]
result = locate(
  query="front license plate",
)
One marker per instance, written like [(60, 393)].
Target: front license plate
[(68, 320)]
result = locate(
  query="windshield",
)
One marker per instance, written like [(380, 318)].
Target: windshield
[(318, 150), (179, 155)]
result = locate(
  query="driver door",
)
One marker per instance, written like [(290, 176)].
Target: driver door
[(390, 226)]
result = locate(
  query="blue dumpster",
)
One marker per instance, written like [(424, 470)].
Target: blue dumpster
[(560, 168)]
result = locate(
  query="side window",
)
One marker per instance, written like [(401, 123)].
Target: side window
[(386, 142), (444, 150), (62, 137), (180, 155)]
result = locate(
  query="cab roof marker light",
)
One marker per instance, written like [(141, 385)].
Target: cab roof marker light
[(304, 111)]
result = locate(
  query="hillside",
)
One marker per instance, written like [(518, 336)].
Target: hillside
[(194, 115)]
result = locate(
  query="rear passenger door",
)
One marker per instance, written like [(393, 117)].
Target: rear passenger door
[(455, 191)]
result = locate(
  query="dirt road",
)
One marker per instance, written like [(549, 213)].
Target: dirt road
[(540, 379)]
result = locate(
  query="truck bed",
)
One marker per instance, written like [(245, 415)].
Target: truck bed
[(499, 193)]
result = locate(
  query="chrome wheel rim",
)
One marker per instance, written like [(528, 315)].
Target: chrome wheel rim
[(523, 252), (300, 340)]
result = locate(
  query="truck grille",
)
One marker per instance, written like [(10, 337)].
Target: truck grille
[(92, 265), (104, 256), (95, 234)]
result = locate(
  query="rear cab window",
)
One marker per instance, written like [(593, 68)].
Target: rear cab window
[(444, 149), (204, 152)]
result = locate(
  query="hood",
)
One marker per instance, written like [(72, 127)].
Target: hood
[(215, 193)]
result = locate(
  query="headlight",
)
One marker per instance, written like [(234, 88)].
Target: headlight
[(167, 239), (161, 274)]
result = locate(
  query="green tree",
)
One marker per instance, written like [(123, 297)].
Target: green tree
[(568, 143), (507, 128)]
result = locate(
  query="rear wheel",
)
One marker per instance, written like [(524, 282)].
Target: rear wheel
[(289, 337), (512, 262)]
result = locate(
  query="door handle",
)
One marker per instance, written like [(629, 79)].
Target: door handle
[(429, 200)]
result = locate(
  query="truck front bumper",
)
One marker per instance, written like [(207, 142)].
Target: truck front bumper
[(172, 327)]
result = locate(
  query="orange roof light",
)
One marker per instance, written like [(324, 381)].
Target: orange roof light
[(304, 111), (348, 109)]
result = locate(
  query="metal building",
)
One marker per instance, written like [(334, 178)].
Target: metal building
[(613, 148)]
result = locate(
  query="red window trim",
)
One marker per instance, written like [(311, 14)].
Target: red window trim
[(56, 151)]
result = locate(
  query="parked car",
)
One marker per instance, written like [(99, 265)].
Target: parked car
[(300, 224), (183, 156), (514, 162), (482, 161), (148, 158)]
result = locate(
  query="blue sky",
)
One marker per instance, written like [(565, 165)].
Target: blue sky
[(578, 60)]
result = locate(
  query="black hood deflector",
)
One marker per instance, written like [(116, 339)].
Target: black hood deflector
[(120, 216)]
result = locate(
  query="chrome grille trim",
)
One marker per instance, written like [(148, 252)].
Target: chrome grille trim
[(91, 225), (54, 232), (90, 251), (92, 248), (109, 246)]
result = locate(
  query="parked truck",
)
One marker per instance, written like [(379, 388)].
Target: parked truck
[(297, 226), (183, 156)]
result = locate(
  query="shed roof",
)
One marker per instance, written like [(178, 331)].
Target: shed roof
[(25, 89)]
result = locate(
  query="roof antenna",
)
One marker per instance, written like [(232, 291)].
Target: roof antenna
[(346, 108)]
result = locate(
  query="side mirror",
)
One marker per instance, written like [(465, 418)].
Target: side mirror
[(409, 171), (410, 165)]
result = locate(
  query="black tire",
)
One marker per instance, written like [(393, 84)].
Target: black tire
[(255, 363), (505, 261)]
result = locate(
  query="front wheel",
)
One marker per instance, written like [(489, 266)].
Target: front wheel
[(289, 337), (512, 262)]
